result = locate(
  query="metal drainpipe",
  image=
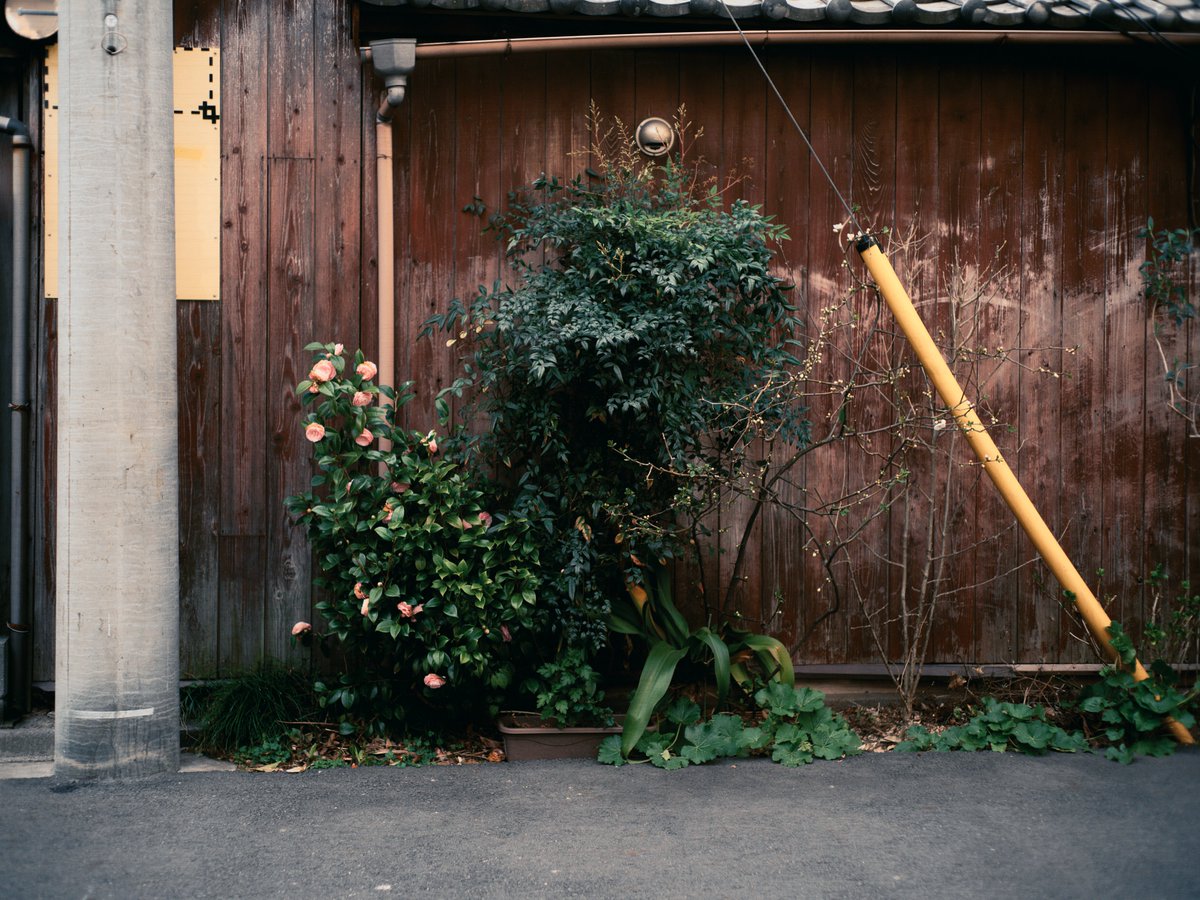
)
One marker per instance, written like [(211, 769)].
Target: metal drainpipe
[(394, 61), (19, 692), (766, 37)]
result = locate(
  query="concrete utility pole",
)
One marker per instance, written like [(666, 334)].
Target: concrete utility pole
[(117, 666)]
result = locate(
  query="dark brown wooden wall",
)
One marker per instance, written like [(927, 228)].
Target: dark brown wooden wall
[(1051, 160), (1044, 164)]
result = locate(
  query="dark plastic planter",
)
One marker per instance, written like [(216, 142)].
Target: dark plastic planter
[(526, 739)]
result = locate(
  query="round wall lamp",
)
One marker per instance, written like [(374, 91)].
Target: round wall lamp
[(655, 136), (32, 19)]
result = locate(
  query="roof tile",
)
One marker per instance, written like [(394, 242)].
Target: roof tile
[(1159, 15)]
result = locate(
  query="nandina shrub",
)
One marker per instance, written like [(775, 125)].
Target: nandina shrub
[(427, 587), (640, 329)]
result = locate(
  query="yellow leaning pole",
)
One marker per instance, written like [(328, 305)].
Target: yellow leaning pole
[(985, 448)]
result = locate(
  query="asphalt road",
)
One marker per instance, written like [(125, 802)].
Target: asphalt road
[(951, 825)]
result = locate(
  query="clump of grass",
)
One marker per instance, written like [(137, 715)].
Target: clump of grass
[(251, 708)]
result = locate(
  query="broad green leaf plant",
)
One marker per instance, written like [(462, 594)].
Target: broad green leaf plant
[(653, 616), (795, 728), (427, 586), (1124, 716)]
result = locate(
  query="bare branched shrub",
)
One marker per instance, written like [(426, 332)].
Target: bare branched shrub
[(914, 472)]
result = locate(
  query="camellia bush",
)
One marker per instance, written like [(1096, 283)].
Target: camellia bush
[(427, 587), (641, 306)]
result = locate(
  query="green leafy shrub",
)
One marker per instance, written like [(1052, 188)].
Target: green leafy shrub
[(568, 693), (796, 728), (641, 309), (428, 586), (1132, 713), (999, 727), (1164, 276)]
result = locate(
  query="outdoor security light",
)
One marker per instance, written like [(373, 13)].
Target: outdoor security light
[(655, 136)]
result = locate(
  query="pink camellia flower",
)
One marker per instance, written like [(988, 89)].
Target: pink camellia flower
[(505, 633), (388, 509), (314, 431), (464, 524), (300, 627), (358, 591), (360, 398), (485, 519), (366, 606), (324, 370), (430, 442), (434, 681), (400, 486), (367, 369), (337, 349), (364, 438), (314, 388), (408, 610)]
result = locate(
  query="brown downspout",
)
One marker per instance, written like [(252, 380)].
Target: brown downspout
[(393, 61)]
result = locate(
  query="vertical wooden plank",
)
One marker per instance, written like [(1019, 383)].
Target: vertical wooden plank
[(243, 457), (999, 542), (612, 85), (290, 81), (1042, 203), (701, 88), (523, 155), (1082, 240), (832, 102), (1191, 129), (874, 190), (568, 84), (656, 89), (338, 240), (199, 373), (701, 85), (1124, 366), (291, 204), (1165, 486), (476, 175), (197, 23), (958, 170), (291, 290), (918, 217), (431, 241), (1191, 451), (478, 254), (786, 197), (744, 132)]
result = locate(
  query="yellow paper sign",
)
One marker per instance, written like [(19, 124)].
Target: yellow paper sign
[(197, 173)]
